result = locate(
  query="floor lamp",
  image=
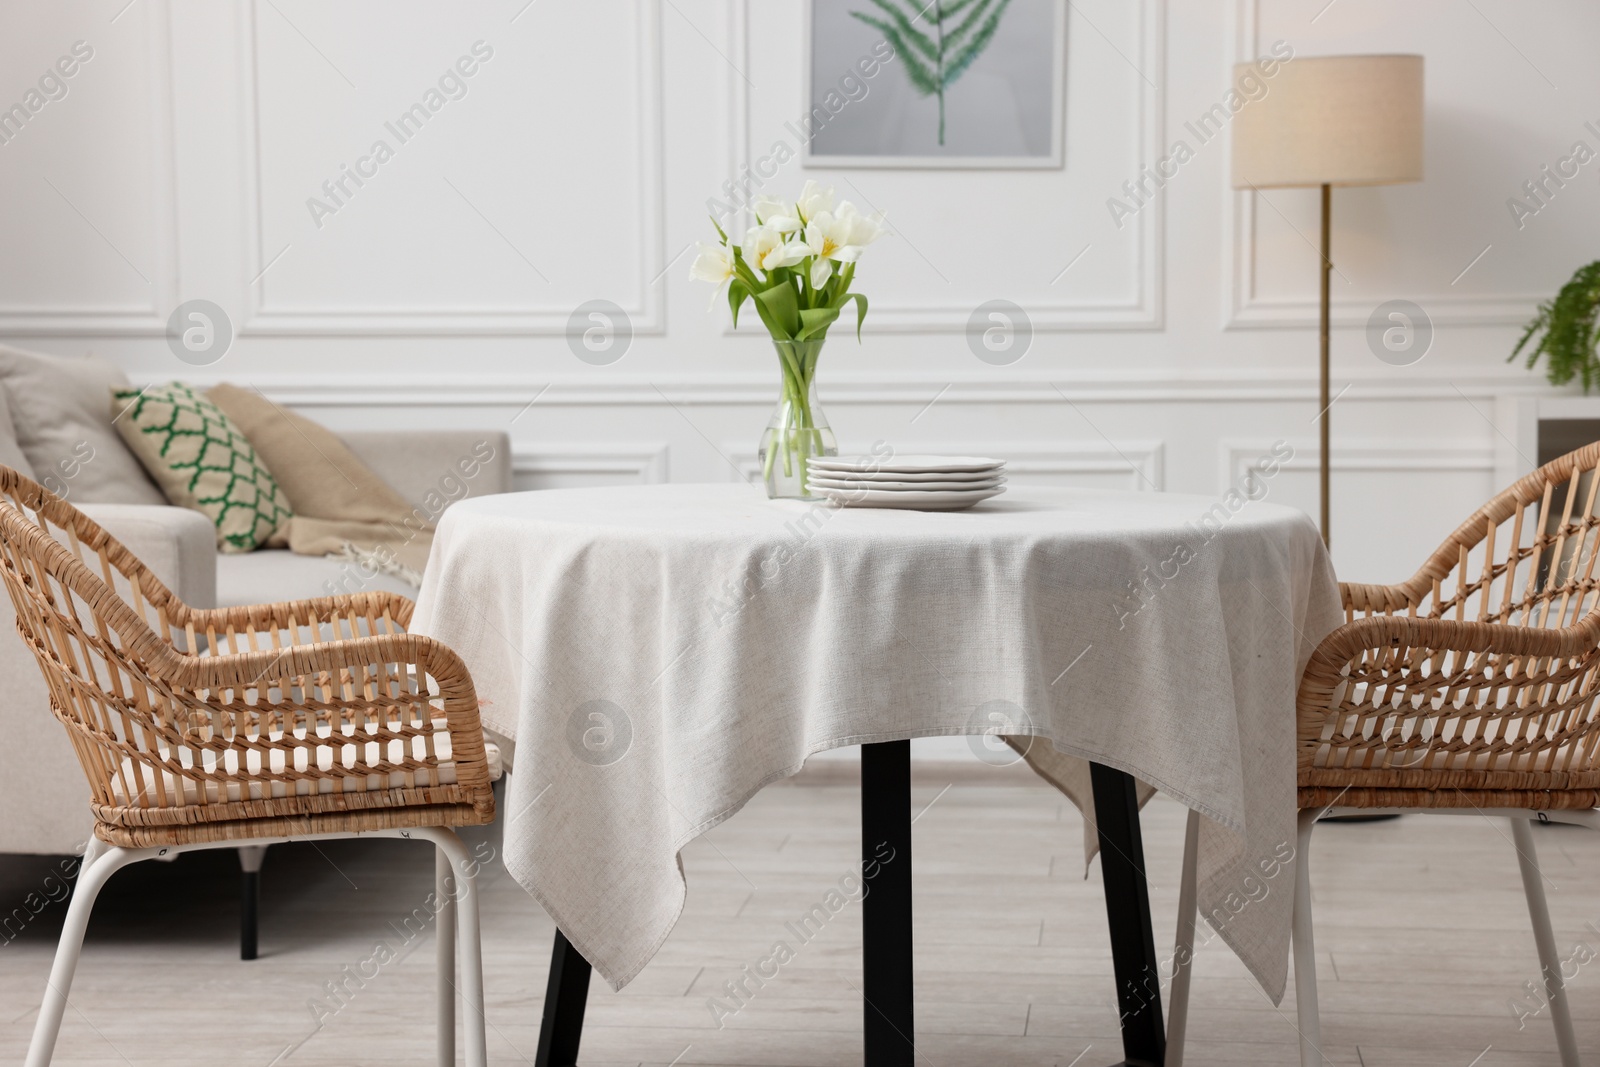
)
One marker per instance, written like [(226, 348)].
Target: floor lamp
[(1326, 121)]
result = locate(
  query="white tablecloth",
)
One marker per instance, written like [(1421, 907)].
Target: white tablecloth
[(660, 653)]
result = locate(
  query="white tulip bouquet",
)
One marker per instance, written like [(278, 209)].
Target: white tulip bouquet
[(796, 266)]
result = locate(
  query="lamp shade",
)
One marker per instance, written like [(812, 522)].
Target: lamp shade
[(1332, 120)]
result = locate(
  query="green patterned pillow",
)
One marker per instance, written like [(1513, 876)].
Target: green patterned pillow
[(202, 461)]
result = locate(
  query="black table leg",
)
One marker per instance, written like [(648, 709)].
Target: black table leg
[(250, 860), (1133, 943), (886, 910), (249, 913), (565, 998)]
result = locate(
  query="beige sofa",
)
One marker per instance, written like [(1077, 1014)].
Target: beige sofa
[(42, 790)]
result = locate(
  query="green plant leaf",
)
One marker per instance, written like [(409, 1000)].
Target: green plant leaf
[(842, 280), (952, 40), (951, 10), (922, 79), (958, 64), (908, 32), (742, 269), (933, 62), (814, 321), (779, 302), (861, 309), (1570, 329), (738, 293)]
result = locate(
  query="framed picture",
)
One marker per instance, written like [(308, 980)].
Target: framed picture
[(935, 83)]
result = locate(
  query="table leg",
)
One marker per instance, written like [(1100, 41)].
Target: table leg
[(1133, 943), (886, 909), (565, 998)]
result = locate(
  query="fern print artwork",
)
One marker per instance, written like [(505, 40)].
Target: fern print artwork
[(937, 83), (935, 41)]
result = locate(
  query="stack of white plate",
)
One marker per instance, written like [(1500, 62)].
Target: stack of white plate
[(918, 483)]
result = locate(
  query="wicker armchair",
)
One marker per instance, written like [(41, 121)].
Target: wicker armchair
[(244, 727), (1468, 689)]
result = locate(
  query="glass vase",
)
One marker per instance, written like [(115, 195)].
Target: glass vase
[(798, 431)]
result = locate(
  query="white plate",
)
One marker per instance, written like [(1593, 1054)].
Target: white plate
[(908, 464), (882, 498), (819, 480), (910, 476)]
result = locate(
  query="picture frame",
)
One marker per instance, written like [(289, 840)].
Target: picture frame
[(1011, 114)]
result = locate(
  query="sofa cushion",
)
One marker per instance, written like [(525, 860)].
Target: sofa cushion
[(204, 462), (340, 505), (61, 408), (10, 451), (270, 575), (175, 543), (319, 474)]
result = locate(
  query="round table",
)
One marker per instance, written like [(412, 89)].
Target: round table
[(658, 654)]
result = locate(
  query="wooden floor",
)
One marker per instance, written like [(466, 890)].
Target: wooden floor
[(1422, 931)]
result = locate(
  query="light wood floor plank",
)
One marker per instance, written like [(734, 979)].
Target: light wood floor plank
[(1423, 943)]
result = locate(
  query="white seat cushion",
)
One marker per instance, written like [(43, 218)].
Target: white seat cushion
[(271, 575)]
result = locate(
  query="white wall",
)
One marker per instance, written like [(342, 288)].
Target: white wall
[(578, 166)]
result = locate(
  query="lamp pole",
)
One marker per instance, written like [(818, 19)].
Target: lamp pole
[(1323, 325)]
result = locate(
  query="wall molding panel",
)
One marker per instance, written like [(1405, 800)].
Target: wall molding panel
[(1360, 456), (514, 392), (89, 318), (540, 460), (648, 316)]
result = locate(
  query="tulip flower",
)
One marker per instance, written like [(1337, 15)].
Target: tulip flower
[(814, 200), (770, 211), (767, 248), (714, 264)]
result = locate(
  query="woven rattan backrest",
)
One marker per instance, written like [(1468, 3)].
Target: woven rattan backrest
[(297, 717), (1472, 697), (92, 614), (1526, 558), (121, 571)]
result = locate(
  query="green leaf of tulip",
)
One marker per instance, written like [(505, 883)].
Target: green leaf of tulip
[(814, 321), (784, 307)]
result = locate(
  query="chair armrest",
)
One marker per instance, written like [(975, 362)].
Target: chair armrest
[(312, 621), (177, 544), (1405, 641), (446, 465), (1378, 599)]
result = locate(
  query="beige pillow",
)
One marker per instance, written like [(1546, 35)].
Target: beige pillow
[(340, 506), (10, 451), (61, 408), (321, 477)]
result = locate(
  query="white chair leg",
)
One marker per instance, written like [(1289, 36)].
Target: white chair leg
[(1305, 950), (94, 851), (1549, 960), (445, 943), (1183, 950), (101, 862), (469, 940)]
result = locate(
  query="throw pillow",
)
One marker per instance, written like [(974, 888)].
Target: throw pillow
[(10, 451), (202, 461), (59, 407), (340, 505), (319, 474)]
